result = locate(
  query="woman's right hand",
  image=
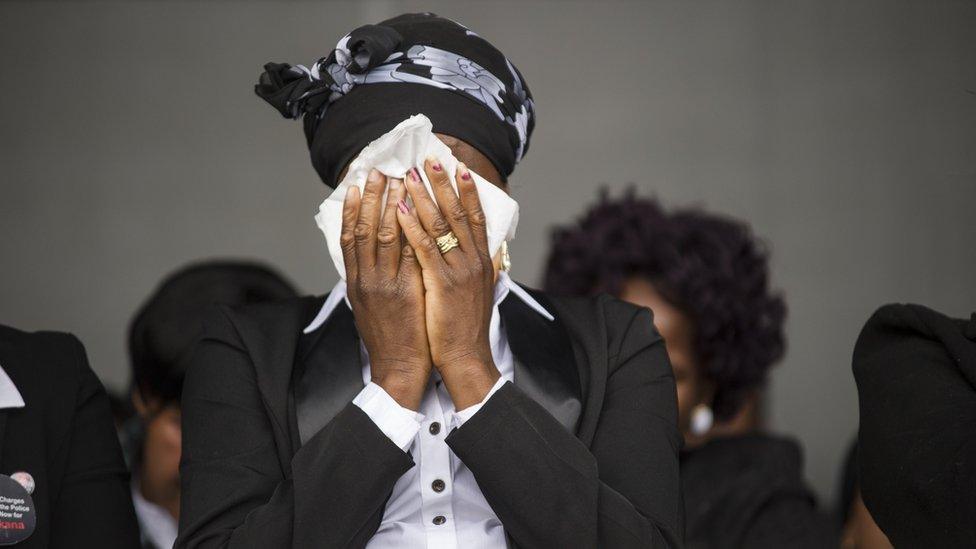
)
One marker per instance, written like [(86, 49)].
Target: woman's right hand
[(385, 289)]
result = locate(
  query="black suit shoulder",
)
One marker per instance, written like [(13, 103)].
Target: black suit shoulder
[(43, 345), (748, 491), (604, 320), (64, 437), (224, 322), (47, 368), (602, 308)]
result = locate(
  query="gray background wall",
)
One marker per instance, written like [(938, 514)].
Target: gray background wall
[(131, 142)]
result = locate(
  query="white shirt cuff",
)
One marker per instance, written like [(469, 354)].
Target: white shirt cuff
[(460, 417), (399, 424)]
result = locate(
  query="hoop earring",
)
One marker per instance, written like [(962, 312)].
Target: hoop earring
[(702, 419), (506, 262)]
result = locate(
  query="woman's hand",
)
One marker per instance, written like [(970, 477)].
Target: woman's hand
[(385, 290), (459, 284)]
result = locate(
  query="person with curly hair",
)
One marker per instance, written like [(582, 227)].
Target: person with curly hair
[(706, 279)]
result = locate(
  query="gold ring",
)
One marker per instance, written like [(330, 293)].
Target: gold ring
[(447, 242)]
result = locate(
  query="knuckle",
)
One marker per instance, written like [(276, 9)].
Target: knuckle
[(370, 196), (387, 236), (427, 242), (440, 226), (478, 216), (362, 231), (458, 214)]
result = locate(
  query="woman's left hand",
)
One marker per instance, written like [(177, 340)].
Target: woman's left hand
[(459, 284)]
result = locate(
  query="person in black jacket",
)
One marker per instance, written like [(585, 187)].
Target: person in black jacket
[(916, 381), (161, 336), (57, 439), (706, 279), (429, 400)]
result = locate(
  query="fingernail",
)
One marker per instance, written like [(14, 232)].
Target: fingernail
[(402, 206), (414, 175), (435, 164), (465, 174)]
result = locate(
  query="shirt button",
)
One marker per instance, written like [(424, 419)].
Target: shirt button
[(435, 428), (439, 519), (437, 485)]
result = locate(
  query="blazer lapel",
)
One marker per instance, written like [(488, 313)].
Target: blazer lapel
[(545, 366), (331, 373)]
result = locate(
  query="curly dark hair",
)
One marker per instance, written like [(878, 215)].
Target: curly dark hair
[(710, 267)]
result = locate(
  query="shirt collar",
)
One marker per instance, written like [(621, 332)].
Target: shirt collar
[(503, 287), (9, 395), (155, 523)]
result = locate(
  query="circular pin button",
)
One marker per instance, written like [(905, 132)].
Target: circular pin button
[(435, 428), (18, 518), (437, 486), (439, 519), (24, 479)]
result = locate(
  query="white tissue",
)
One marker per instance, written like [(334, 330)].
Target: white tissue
[(394, 153)]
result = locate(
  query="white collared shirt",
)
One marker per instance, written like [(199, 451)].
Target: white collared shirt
[(155, 523), (437, 504), (9, 395)]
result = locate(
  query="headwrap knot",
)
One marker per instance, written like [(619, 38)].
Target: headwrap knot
[(296, 91)]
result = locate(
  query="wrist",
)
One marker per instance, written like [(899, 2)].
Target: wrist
[(469, 381), (406, 388)]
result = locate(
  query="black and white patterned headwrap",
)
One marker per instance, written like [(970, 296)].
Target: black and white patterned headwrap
[(378, 75)]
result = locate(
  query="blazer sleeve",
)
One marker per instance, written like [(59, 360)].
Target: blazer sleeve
[(235, 490), (95, 475), (550, 490)]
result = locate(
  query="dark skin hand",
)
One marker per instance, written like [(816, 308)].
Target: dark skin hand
[(397, 305), (459, 285), (385, 290)]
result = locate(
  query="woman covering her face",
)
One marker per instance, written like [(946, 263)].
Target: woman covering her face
[(428, 401)]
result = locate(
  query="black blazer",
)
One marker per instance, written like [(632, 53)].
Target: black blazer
[(64, 437), (916, 380), (582, 451), (747, 491)]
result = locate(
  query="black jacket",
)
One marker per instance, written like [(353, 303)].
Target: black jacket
[(581, 452), (916, 380), (64, 437), (748, 492)]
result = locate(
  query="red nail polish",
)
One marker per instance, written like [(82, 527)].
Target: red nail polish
[(466, 175), (414, 174), (437, 166), (402, 206)]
